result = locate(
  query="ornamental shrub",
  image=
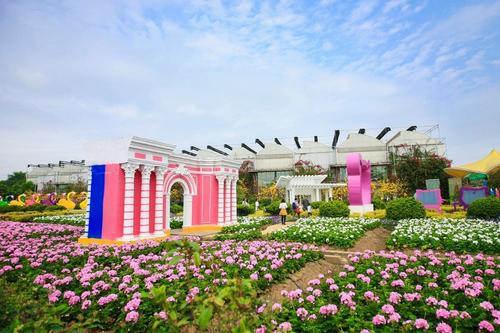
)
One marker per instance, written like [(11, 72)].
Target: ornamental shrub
[(334, 209), (176, 223), (404, 208), (316, 204), (378, 203), (485, 208), (8, 209), (176, 209), (244, 210)]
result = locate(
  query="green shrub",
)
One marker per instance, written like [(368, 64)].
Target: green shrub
[(8, 209), (334, 209), (176, 223), (274, 208), (404, 208), (33, 208), (378, 203), (485, 208), (176, 209), (244, 210), (265, 202), (53, 208), (316, 204)]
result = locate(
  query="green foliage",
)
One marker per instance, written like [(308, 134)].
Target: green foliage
[(416, 165), (176, 209), (317, 204), (274, 208), (176, 223), (485, 208), (48, 188), (404, 208), (15, 184), (54, 208), (378, 203), (334, 209), (244, 210)]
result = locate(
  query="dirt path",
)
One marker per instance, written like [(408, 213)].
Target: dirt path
[(335, 258)]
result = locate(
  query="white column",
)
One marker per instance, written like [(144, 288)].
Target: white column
[(167, 211), (128, 201), (318, 197), (89, 188), (146, 174), (187, 219), (159, 201), (220, 215), (234, 203), (227, 204)]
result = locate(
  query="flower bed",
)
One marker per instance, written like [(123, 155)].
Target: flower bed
[(75, 220), (247, 228), (464, 235), (395, 292), (341, 232), (135, 286)]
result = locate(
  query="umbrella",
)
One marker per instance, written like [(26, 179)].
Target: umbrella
[(489, 165)]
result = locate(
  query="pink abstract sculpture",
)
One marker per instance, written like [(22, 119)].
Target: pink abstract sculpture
[(358, 183)]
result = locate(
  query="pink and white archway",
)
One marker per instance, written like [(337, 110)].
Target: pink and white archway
[(130, 184)]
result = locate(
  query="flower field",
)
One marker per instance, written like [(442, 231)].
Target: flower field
[(247, 228), (341, 232), (144, 286), (464, 235), (395, 292)]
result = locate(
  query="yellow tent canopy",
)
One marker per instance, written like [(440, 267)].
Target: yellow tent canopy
[(488, 165)]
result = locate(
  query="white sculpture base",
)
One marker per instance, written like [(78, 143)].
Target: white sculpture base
[(362, 209)]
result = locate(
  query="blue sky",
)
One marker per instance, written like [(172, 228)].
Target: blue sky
[(213, 72)]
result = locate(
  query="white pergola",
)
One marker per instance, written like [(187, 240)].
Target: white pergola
[(311, 186)]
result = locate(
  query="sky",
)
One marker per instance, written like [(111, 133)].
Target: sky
[(194, 72)]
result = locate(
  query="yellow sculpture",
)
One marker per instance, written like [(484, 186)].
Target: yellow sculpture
[(67, 202), (21, 198), (84, 202)]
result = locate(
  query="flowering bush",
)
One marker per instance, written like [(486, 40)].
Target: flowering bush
[(115, 287), (176, 222), (75, 220), (463, 235), (341, 232), (247, 228), (396, 292)]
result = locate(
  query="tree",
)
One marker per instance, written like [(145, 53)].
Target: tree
[(308, 168), (79, 186), (415, 165), (15, 184)]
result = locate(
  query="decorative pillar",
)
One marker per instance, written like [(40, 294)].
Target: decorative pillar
[(159, 201), (318, 196), (89, 188), (128, 202), (234, 217), (187, 219), (146, 171), (220, 215), (227, 204), (167, 211)]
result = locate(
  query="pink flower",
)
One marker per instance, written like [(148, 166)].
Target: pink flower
[(285, 327), (132, 316), (161, 315), (394, 297), (329, 309), (261, 329), (310, 299), (485, 325), (254, 276), (387, 308), (86, 304), (379, 320), (302, 313), (421, 324), (276, 307), (443, 328), (487, 306)]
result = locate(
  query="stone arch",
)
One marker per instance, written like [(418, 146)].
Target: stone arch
[(188, 184)]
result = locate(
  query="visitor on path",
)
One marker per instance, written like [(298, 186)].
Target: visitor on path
[(256, 205), (283, 207), (309, 210)]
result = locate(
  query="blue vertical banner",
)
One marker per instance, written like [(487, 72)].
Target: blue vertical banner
[(96, 201)]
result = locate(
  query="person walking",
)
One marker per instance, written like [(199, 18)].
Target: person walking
[(257, 205), (283, 207)]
